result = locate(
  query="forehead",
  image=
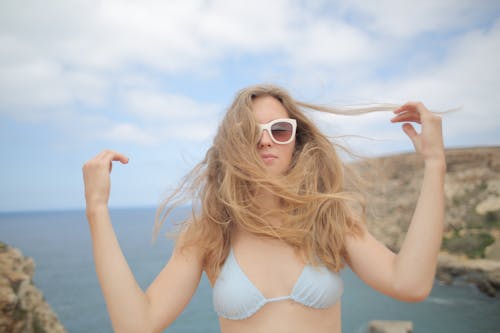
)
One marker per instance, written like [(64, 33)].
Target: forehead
[(268, 108)]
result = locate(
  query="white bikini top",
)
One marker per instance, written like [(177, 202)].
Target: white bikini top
[(236, 297)]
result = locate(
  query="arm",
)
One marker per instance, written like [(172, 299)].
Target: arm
[(130, 309), (409, 275)]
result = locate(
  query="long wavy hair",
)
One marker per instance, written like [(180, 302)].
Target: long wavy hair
[(316, 208)]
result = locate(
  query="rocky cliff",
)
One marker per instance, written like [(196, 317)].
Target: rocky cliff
[(471, 244), (22, 306)]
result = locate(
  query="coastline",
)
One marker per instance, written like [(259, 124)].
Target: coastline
[(483, 273)]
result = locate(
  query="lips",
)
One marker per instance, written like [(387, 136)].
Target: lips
[(268, 158)]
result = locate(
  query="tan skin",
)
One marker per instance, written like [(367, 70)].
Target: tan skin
[(272, 266)]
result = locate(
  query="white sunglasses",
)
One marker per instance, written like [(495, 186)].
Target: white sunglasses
[(281, 131)]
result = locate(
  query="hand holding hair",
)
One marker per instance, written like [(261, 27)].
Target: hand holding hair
[(428, 143)]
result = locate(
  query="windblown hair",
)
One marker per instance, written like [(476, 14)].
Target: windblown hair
[(317, 212)]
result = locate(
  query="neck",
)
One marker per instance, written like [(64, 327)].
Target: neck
[(269, 201)]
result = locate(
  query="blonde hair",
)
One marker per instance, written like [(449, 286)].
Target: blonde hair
[(316, 209)]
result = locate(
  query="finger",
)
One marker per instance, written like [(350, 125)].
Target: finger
[(117, 157), (407, 116), (412, 107), (113, 156), (411, 132), (409, 106), (121, 158), (109, 156)]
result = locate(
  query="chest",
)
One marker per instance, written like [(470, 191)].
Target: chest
[(271, 265), (259, 272)]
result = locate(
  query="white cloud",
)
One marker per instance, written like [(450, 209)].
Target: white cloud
[(66, 53), (150, 105), (128, 133), (330, 44), (467, 77), (39, 88), (251, 26), (33, 77), (170, 36), (78, 57), (197, 132), (406, 19)]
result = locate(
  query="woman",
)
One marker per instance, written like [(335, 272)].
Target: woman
[(275, 226)]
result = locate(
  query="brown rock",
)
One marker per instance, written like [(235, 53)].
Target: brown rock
[(22, 306), (486, 288), (485, 274), (493, 251), (385, 326), (493, 276)]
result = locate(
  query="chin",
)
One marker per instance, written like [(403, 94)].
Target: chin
[(276, 173)]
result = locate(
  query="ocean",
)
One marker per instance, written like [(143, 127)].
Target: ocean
[(61, 246)]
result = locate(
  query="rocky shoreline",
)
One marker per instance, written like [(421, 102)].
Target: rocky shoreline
[(485, 274), (23, 308)]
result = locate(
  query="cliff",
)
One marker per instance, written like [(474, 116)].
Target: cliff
[(471, 244), (23, 308)]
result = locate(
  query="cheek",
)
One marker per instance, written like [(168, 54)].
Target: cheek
[(289, 153)]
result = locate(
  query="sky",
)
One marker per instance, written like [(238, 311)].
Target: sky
[(152, 79)]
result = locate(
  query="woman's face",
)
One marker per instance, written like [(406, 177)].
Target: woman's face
[(276, 157)]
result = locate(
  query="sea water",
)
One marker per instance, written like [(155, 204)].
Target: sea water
[(61, 246)]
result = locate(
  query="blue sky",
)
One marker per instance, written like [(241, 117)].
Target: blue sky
[(152, 79)]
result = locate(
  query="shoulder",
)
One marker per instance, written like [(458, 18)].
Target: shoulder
[(207, 243), (187, 247)]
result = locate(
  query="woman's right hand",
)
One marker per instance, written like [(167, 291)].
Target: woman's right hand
[(96, 177)]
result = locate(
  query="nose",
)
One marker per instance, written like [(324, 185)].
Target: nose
[(265, 139)]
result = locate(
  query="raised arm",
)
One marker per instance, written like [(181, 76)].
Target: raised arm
[(129, 307), (409, 275)]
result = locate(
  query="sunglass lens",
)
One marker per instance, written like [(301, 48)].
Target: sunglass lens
[(282, 131)]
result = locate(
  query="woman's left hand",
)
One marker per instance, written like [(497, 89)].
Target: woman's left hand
[(428, 143)]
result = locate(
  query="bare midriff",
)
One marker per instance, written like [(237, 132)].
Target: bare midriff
[(287, 317)]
